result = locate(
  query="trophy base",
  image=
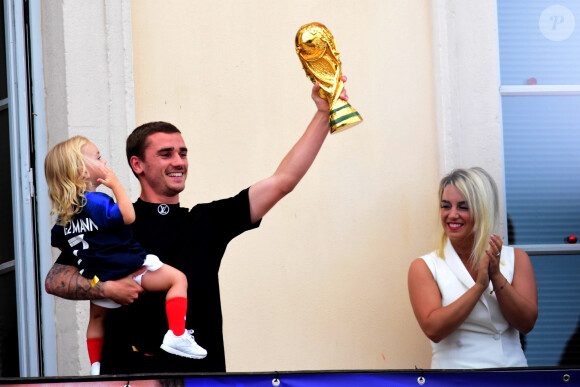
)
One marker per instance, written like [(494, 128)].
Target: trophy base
[(343, 116)]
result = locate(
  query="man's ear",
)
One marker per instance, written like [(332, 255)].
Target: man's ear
[(136, 165)]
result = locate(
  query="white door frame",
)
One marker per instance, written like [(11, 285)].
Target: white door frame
[(35, 309)]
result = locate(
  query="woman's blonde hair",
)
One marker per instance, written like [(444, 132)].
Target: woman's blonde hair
[(480, 192), (64, 168)]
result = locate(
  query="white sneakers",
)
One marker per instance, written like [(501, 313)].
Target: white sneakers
[(96, 368), (183, 345)]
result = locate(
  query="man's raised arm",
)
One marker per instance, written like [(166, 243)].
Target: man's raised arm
[(266, 193), (65, 281)]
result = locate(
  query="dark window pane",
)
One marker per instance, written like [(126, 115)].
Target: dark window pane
[(3, 80), (6, 235), (8, 329), (553, 341)]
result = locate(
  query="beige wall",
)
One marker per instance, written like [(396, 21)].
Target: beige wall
[(322, 283)]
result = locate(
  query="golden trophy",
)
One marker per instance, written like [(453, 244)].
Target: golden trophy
[(320, 60)]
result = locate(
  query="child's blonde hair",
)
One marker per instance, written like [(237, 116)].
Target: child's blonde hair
[(481, 195), (65, 168)]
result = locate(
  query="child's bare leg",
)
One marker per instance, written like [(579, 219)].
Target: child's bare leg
[(95, 335), (96, 326), (166, 279)]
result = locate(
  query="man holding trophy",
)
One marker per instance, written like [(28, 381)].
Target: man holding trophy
[(194, 240)]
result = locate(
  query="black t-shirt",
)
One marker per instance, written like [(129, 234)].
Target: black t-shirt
[(193, 242)]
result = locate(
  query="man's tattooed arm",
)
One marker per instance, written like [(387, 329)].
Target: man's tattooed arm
[(65, 281)]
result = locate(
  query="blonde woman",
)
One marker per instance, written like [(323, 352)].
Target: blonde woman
[(92, 227), (473, 296)]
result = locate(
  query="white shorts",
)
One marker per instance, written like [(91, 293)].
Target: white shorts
[(152, 263)]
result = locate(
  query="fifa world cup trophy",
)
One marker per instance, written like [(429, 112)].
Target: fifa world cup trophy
[(320, 60)]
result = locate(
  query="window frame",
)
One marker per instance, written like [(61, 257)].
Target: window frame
[(542, 90), (25, 104)]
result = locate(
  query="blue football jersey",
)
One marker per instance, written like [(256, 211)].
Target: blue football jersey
[(100, 240)]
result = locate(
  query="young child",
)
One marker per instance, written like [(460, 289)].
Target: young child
[(94, 228)]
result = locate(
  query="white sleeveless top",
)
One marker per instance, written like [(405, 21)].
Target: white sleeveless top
[(485, 339)]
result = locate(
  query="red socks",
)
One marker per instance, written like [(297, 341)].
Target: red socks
[(95, 347), (176, 308)]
